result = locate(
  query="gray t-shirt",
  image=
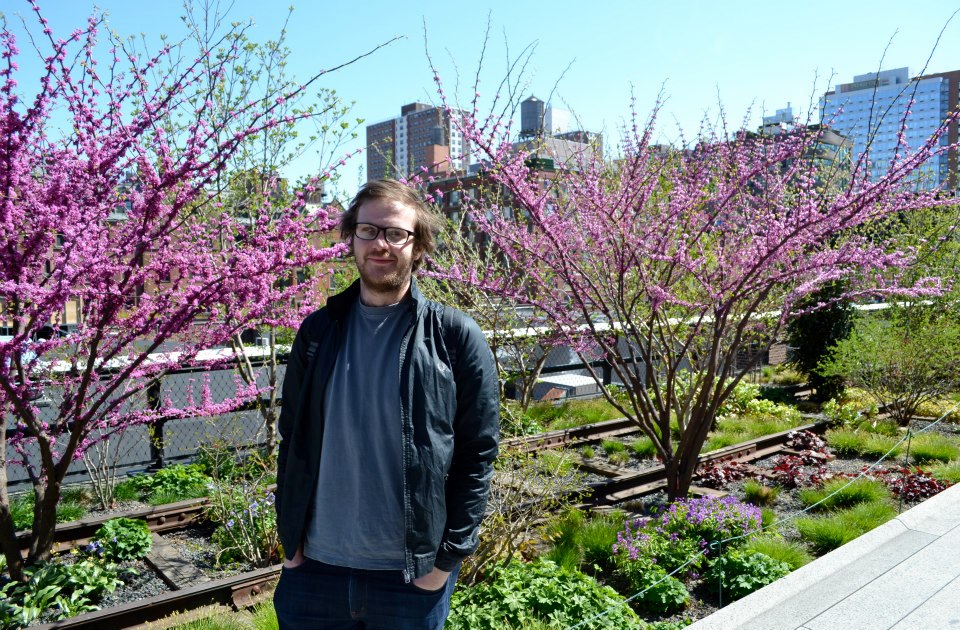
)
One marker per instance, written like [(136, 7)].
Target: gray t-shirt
[(358, 519)]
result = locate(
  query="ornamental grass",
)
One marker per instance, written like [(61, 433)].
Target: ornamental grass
[(841, 493), (828, 532)]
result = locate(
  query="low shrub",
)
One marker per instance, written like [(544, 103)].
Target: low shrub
[(930, 447), (638, 542), (783, 375), (843, 493), (523, 594), (246, 523), (776, 547), (759, 494), (227, 460), (653, 590), (177, 482), (739, 573), (717, 477), (826, 533), (619, 458), (124, 539), (911, 484), (845, 414), (806, 441), (588, 452), (560, 462), (791, 471), (709, 518), (937, 409)]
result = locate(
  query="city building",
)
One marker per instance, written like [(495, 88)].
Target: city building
[(423, 136), (832, 151), (870, 112)]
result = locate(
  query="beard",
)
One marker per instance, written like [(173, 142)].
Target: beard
[(385, 281)]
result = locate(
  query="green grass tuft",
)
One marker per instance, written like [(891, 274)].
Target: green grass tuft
[(767, 518), (21, 508), (758, 493), (76, 494), (126, 491), (949, 472), (613, 446), (794, 554), (826, 533), (264, 617), (842, 493), (851, 443), (581, 541), (930, 447), (723, 439), (619, 458), (162, 498), (573, 413), (643, 448), (68, 509)]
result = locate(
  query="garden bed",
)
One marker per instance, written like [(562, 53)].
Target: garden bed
[(804, 503)]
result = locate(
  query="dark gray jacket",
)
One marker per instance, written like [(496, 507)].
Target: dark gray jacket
[(450, 412)]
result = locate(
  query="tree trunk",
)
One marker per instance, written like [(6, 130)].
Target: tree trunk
[(8, 531), (680, 469), (44, 520), (269, 410), (8, 541)]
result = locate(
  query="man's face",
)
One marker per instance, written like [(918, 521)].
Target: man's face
[(385, 269)]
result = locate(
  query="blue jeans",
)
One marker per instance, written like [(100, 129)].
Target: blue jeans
[(318, 596)]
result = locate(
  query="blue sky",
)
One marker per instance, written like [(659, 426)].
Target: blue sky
[(749, 56)]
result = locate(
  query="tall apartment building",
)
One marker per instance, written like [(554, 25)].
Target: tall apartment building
[(422, 136), (870, 109)]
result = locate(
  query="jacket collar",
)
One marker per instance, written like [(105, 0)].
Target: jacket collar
[(339, 305)]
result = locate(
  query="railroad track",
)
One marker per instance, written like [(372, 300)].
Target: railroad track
[(245, 589), (627, 484)]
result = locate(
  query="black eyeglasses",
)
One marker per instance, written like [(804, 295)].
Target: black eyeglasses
[(370, 232)]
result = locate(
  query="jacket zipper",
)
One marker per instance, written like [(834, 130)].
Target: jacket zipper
[(404, 412)]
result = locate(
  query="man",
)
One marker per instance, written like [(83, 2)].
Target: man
[(389, 428)]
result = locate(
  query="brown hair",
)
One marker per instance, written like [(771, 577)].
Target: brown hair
[(428, 223)]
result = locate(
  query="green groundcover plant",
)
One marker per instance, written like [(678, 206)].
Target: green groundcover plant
[(540, 591), (739, 573), (122, 540), (55, 590), (177, 482), (655, 592)]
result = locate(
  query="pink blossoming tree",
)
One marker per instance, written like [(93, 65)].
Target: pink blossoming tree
[(681, 267), (107, 207)]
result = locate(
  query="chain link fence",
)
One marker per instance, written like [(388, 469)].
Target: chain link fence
[(144, 448)]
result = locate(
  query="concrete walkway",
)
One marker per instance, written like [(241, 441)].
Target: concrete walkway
[(904, 575)]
